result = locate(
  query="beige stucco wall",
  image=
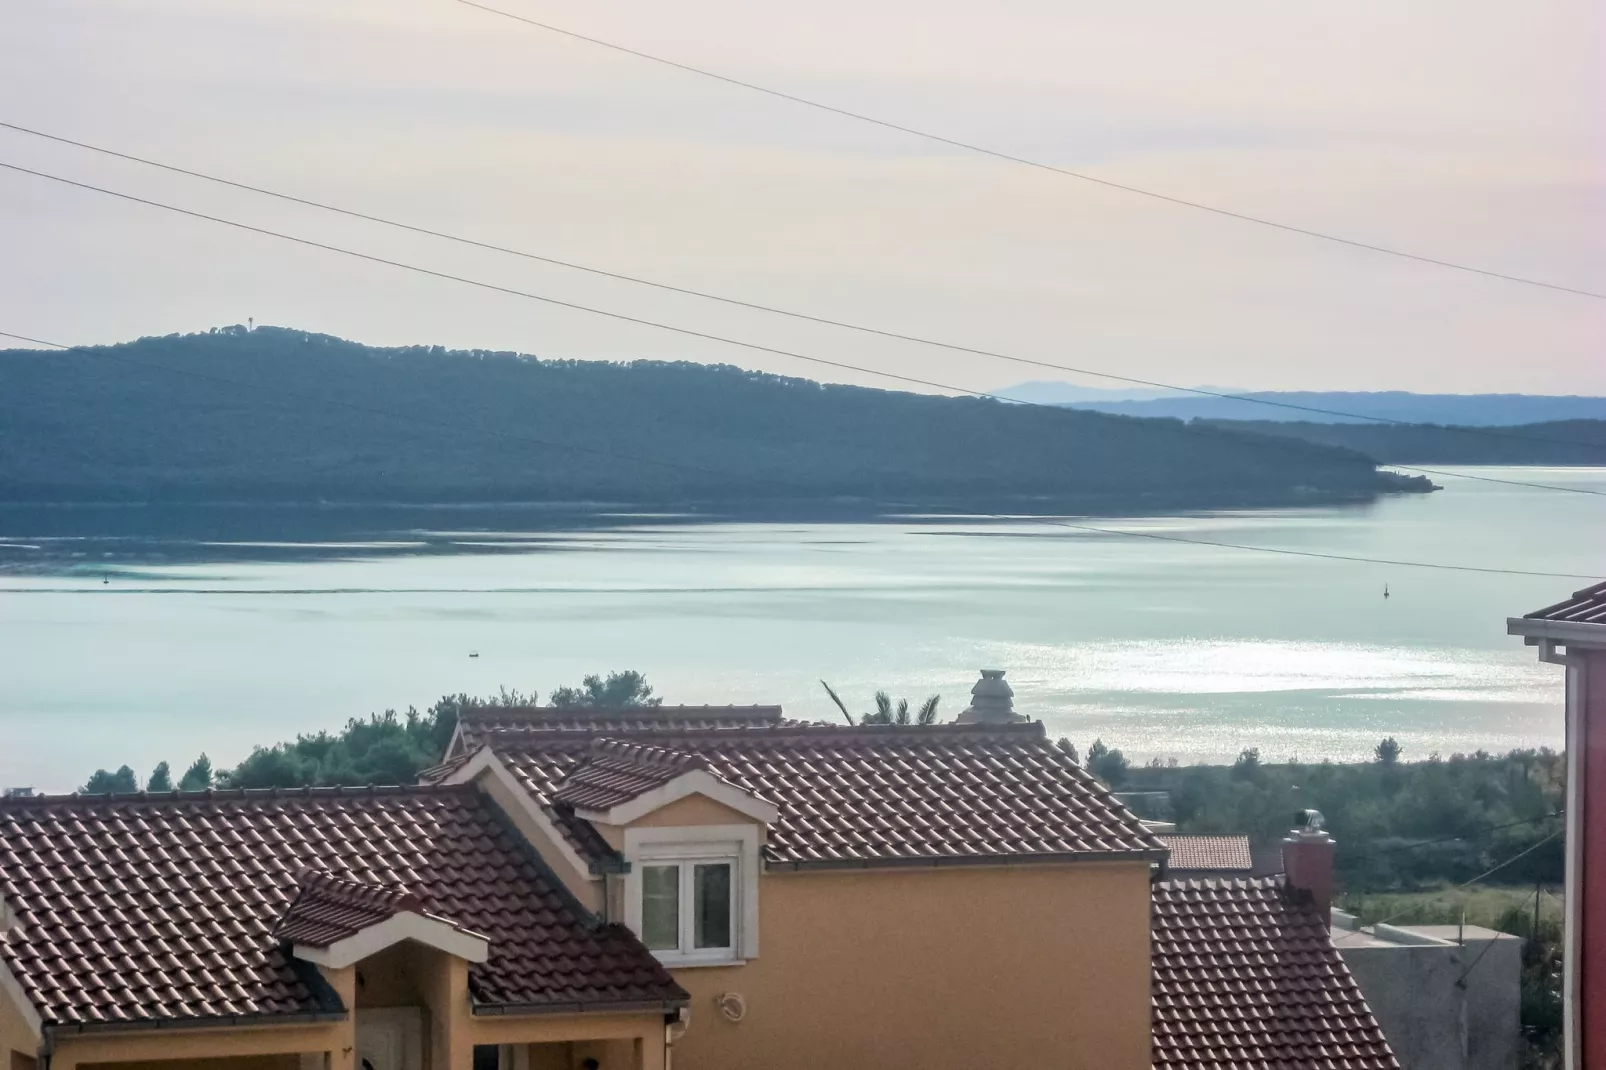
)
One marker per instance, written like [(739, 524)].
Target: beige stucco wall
[(244, 1062), (15, 1036), (692, 810), (962, 967)]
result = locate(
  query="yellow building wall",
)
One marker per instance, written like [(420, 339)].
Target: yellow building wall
[(15, 1036), (961, 967), (692, 810), (243, 1062)]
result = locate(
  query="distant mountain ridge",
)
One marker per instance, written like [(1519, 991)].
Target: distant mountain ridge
[(1465, 410), (1580, 443), (165, 419)]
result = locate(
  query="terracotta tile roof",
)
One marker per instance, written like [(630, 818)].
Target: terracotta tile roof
[(1246, 976), (618, 771), (481, 725), (1587, 606), (328, 909), (139, 909), (881, 794), (1209, 852)]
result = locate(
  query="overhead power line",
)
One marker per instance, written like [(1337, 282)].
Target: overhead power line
[(760, 307), (1420, 844), (1206, 430), (460, 429), (1083, 176), (1480, 878)]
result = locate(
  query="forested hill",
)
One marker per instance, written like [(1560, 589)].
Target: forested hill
[(1562, 442), (165, 419)]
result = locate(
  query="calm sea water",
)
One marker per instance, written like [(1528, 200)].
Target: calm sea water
[(1160, 648)]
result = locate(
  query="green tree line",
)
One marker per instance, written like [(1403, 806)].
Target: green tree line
[(382, 748), (1397, 823)]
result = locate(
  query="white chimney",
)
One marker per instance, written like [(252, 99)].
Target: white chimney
[(992, 701)]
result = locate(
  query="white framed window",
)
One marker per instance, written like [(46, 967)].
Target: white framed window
[(688, 907), (692, 893)]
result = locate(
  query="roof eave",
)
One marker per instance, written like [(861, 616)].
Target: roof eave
[(1570, 632), (945, 861), (666, 1006), (72, 1029)]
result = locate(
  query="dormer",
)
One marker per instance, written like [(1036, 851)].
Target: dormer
[(337, 922), (691, 839)]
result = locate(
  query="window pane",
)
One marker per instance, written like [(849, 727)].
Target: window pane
[(660, 907), (712, 899)]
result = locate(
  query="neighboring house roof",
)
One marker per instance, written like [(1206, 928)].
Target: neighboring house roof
[(618, 771), (176, 909), (1587, 606), (1245, 975), (480, 725), (1225, 853), (877, 794)]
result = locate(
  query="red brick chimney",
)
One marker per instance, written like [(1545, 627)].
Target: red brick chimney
[(1308, 863)]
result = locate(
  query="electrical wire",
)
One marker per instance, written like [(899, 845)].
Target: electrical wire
[(1525, 852), (1083, 176), (411, 419), (772, 309), (1206, 430), (1452, 839)]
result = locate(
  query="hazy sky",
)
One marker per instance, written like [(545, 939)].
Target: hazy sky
[(1461, 129)]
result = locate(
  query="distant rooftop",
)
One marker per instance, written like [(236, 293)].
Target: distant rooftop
[(1227, 854)]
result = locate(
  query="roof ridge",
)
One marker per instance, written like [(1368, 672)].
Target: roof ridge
[(494, 712), (622, 751), (786, 730), (320, 791)]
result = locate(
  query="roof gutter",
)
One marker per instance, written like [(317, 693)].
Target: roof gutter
[(54, 1030), (1158, 854), (1570, 632), (497, 1010)]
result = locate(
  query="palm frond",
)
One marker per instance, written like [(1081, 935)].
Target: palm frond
[(928, 710), (838, 700)]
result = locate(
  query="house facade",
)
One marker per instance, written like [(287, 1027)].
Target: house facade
[(857, 866), (705, 888)]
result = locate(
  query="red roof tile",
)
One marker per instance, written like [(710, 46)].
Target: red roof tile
[(618, 771), (138, 909), (481, 725), (880, 793), (1209, 852), (1587, 606), (1246, 976)]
